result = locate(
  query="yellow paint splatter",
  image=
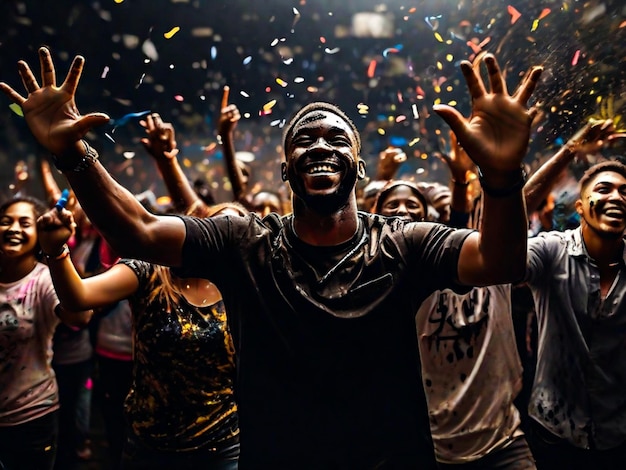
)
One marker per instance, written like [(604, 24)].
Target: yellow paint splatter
[(171, 32)]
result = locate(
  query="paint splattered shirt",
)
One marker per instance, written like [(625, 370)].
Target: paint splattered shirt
[(471, 371), (28, 388), (579, 392), (182, 392)]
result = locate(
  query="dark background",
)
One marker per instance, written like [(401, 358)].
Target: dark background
[(185, 82)]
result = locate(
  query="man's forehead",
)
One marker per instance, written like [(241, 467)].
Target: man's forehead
[(608, 177), (313, 119)]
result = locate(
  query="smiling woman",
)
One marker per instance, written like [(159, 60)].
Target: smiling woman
[(30, 403)]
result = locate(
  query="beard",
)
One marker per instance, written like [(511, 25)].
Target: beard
[(325, 204)]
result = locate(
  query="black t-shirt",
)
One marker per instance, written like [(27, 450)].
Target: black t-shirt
[(327, 357)]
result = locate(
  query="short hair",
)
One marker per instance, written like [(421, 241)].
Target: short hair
[(613, 166), (319, 106)]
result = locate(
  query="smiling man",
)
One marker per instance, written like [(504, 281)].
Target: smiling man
[(578, 280), (320, 303)]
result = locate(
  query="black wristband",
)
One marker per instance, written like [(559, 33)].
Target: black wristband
[(503, 192), (88, 159)]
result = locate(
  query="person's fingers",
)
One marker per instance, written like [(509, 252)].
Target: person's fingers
[(12, 94), (496, 80), (88, 121), (472, 78), (526, 88), (73, 76), (225, 96), (28, 79), (453, 117), (48, 75)]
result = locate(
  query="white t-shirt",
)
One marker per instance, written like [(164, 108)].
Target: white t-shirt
[(28, 388), (471, 371)]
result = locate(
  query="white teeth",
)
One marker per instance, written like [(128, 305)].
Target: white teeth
[(321, 169)]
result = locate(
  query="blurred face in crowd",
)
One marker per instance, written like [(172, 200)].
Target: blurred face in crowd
[(402, 201), (322, 162), (263, 203), (18, 230), (602, 205)]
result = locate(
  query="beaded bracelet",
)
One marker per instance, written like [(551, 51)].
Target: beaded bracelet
[(504, 192), (87, 160), (65, 251)]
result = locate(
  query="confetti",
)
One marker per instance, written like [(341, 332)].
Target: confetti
[(247, 60), (105, 71), (269, 105), (545, 12), (170, 34), (281, 82), (535, 26), (371, 70), (244, 94), (179, 98), (17, 109), (390, 50), (515, 15), (576, 57), (213, 52), (432, 21), (331, 51), (298, 80), (149, 49), (416, 114), (296, 15), (127, 117)]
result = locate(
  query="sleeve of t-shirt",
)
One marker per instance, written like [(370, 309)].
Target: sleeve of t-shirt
[(208, 245), (438, 247), (142, 270), (538, 254)]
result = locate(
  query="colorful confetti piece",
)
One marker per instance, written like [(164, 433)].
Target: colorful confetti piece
[(170, 34)]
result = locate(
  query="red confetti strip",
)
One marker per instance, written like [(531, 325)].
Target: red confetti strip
[(371, 70)]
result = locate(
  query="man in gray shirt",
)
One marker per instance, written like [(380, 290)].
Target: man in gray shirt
[(578, 281)]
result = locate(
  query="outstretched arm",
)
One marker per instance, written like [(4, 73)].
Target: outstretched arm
[(56, 123), (462, 170), (495, 137), (50, 186), (229, 116), (589, 139), (54, 228), (161, 144)]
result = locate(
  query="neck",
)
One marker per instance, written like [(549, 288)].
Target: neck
[(14, 269), (325, 230), (605, 251)]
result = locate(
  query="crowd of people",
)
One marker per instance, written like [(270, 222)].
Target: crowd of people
[(338, 321)]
